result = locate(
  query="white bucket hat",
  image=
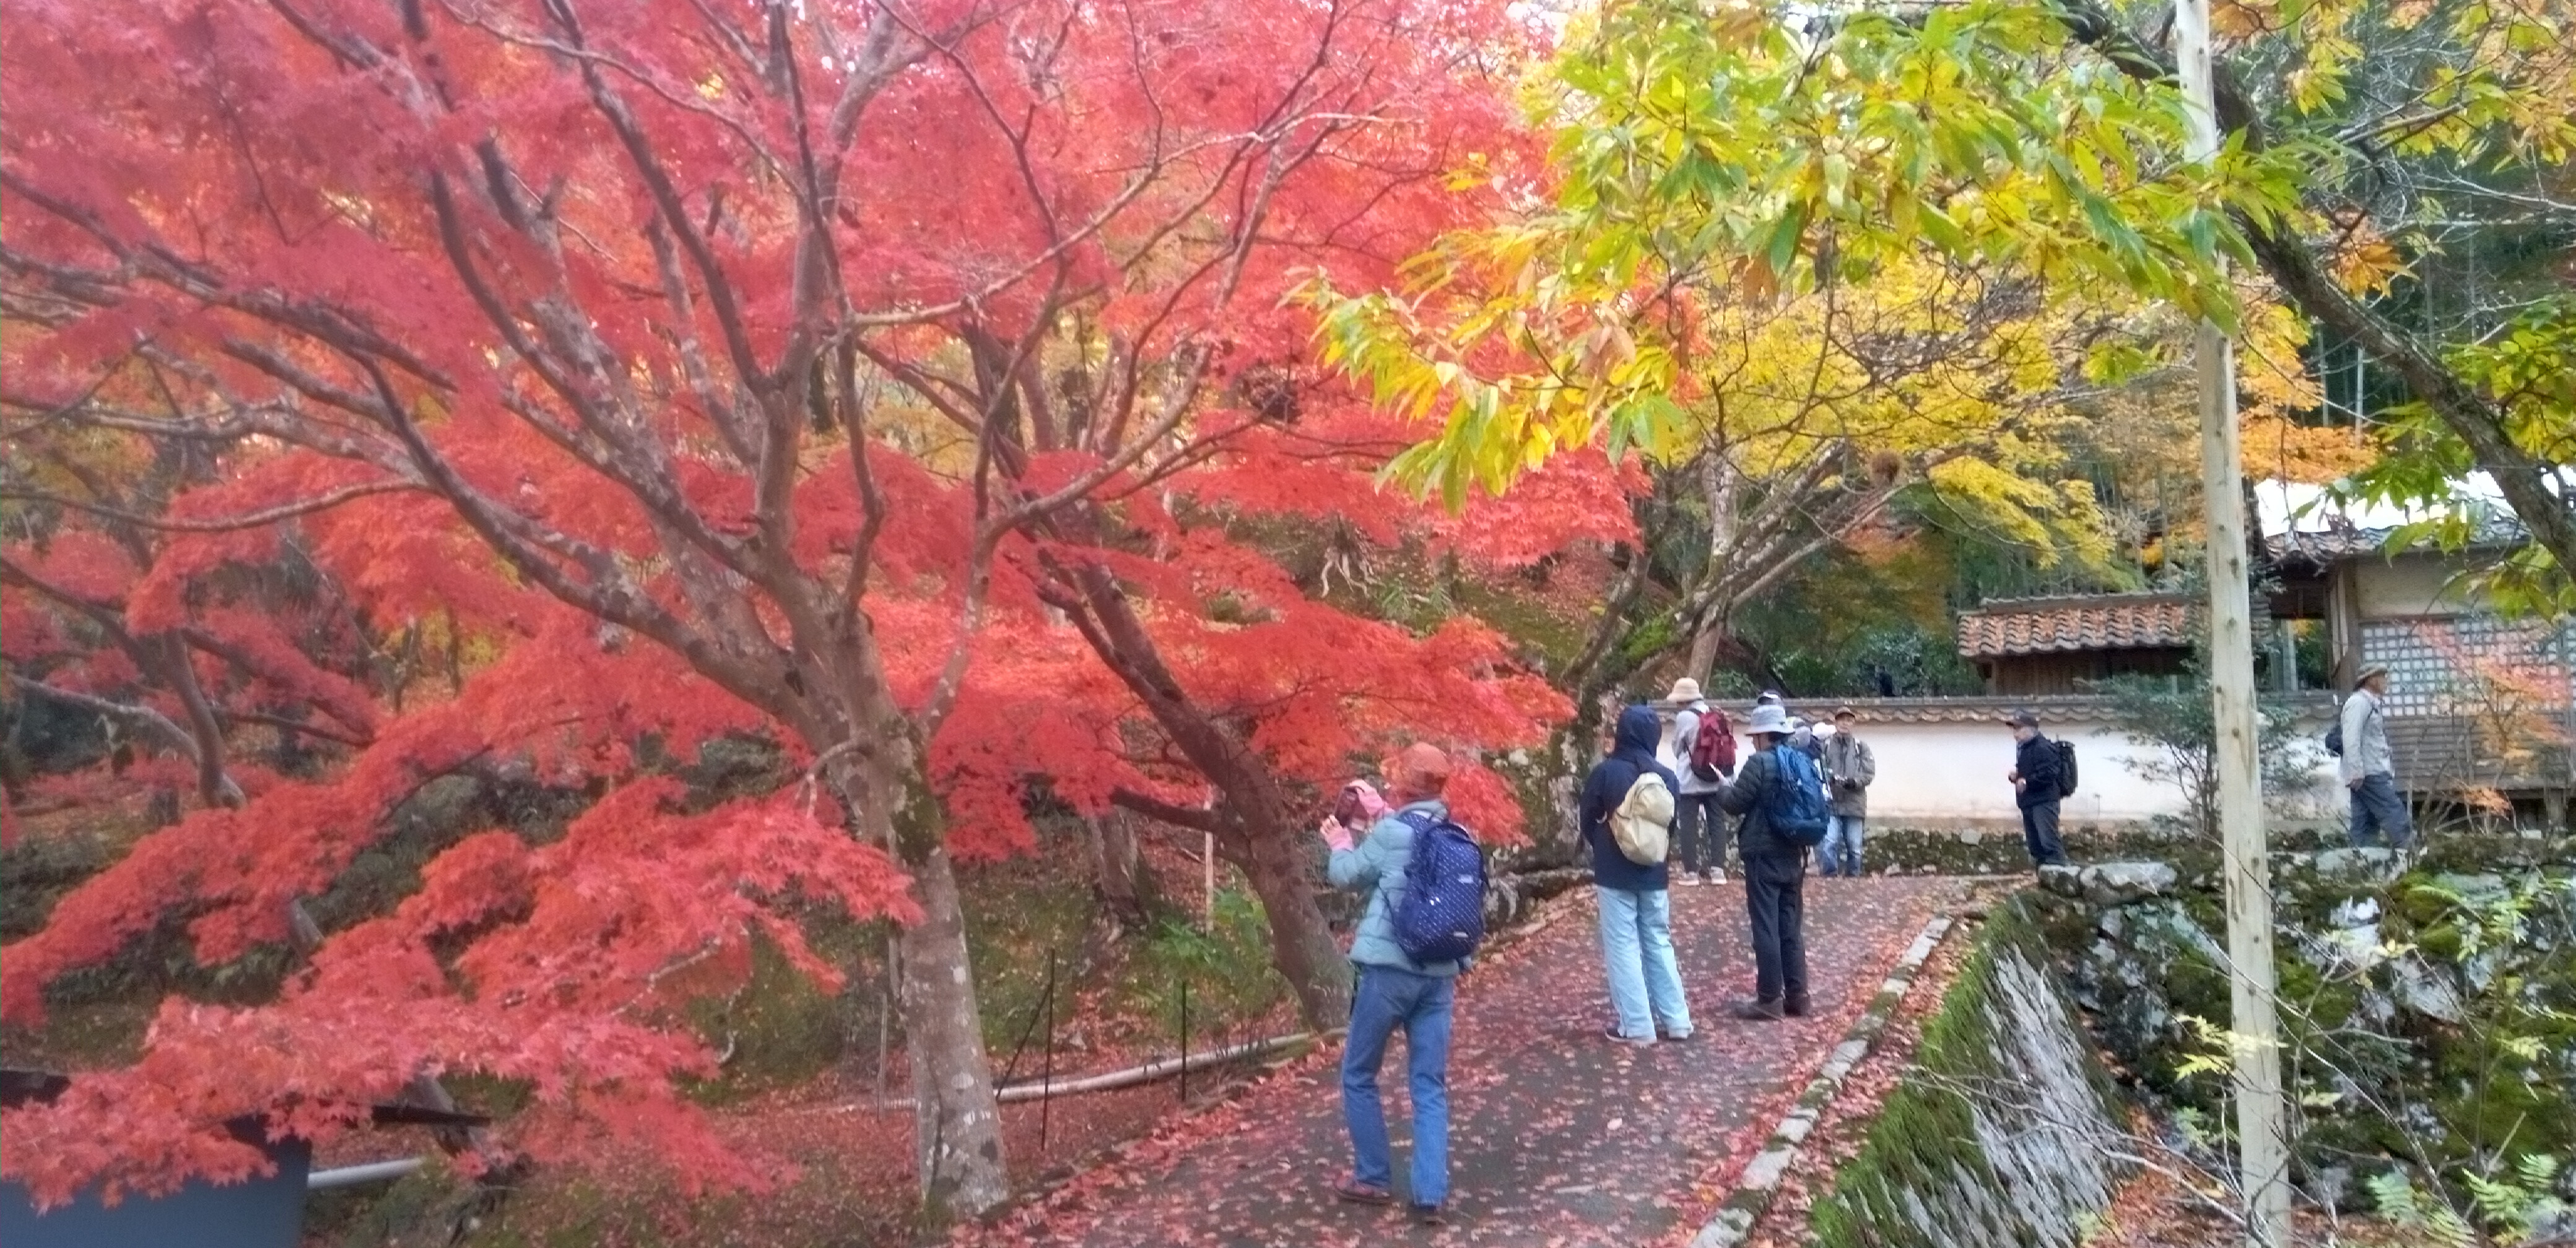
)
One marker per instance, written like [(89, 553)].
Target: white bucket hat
[(1684, 690), (1770, 718)]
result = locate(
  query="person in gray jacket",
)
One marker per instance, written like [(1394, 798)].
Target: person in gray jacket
[(1849, 770), (1699, 827), (2369, 769)]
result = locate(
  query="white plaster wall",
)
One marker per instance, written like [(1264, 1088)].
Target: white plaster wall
[(2410, 585), (1952, 774)]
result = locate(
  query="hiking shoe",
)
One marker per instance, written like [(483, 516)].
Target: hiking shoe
[(1713, 877), (1759, 1011), (1691, 881), (1795, 1006), (1354, 1192), (1612, 1031), (1687, 1037), (1429, 1215)]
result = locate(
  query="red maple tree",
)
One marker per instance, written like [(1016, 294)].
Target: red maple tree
[(114, 616), (1240, 699), (763, 367)]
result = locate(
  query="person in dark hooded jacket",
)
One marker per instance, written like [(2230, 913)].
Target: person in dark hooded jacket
[(1635, 902)]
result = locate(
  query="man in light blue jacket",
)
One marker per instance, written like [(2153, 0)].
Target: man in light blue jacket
[(1395, 991)]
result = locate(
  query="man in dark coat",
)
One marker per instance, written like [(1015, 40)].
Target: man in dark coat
[(2036, 786), (1775, 876)]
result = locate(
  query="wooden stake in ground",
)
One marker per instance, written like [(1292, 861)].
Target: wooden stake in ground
[(2261, 1115)]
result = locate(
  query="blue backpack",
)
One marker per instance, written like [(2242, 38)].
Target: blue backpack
[(1441, 916), (1796, 804)]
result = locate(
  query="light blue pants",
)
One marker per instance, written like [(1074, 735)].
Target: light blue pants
[(1637, 951), (1840, 854)]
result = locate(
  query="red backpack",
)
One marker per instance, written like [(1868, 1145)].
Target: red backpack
[(1712, 752)]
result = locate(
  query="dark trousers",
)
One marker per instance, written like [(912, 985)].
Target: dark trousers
[(1775, 888), (2039, 834), (1699, 832), (2378, 810)]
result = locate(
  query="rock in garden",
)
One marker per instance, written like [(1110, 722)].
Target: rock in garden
[(2120, 883), (2366, 863)]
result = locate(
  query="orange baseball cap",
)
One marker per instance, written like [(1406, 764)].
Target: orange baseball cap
[(1423, 759)]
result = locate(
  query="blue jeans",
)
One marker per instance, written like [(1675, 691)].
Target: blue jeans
[(2377, 810), (1388, 998), (1840, 854), (1637, 951)]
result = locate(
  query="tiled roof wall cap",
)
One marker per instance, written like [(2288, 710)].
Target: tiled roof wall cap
[(2051, 708)]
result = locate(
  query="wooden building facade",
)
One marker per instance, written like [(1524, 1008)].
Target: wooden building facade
[(2482, 708)]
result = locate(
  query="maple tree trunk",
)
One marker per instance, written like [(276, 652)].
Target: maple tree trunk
[(1301, 941), (957, 1123), (1119, 865), (1704, 647), (1250, 819)]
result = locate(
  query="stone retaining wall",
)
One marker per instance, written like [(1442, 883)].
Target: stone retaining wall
[(2428, 1006), (1895, 849), (2006, 1130)]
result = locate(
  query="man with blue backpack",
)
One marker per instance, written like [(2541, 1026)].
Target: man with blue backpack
[(1781, 798), (1425, 880)]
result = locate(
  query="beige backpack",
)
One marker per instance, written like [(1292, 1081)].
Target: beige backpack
[(1644, 820)]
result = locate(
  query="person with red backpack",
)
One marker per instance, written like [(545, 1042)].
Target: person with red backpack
[(1703, 757)]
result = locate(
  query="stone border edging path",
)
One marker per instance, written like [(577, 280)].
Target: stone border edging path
[(1760, 1178)]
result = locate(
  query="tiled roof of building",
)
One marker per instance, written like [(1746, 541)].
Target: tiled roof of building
[(2058, 625), (2310, 525), (2053, 708), (2335, 542)]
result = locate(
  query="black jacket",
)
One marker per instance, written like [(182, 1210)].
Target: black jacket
[(2036, 760), (1632, 752), (1746, 795)]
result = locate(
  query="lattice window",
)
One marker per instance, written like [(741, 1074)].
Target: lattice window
[(2466, 665)]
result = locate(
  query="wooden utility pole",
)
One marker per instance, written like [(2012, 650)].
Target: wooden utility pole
[(2262, 1118)]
